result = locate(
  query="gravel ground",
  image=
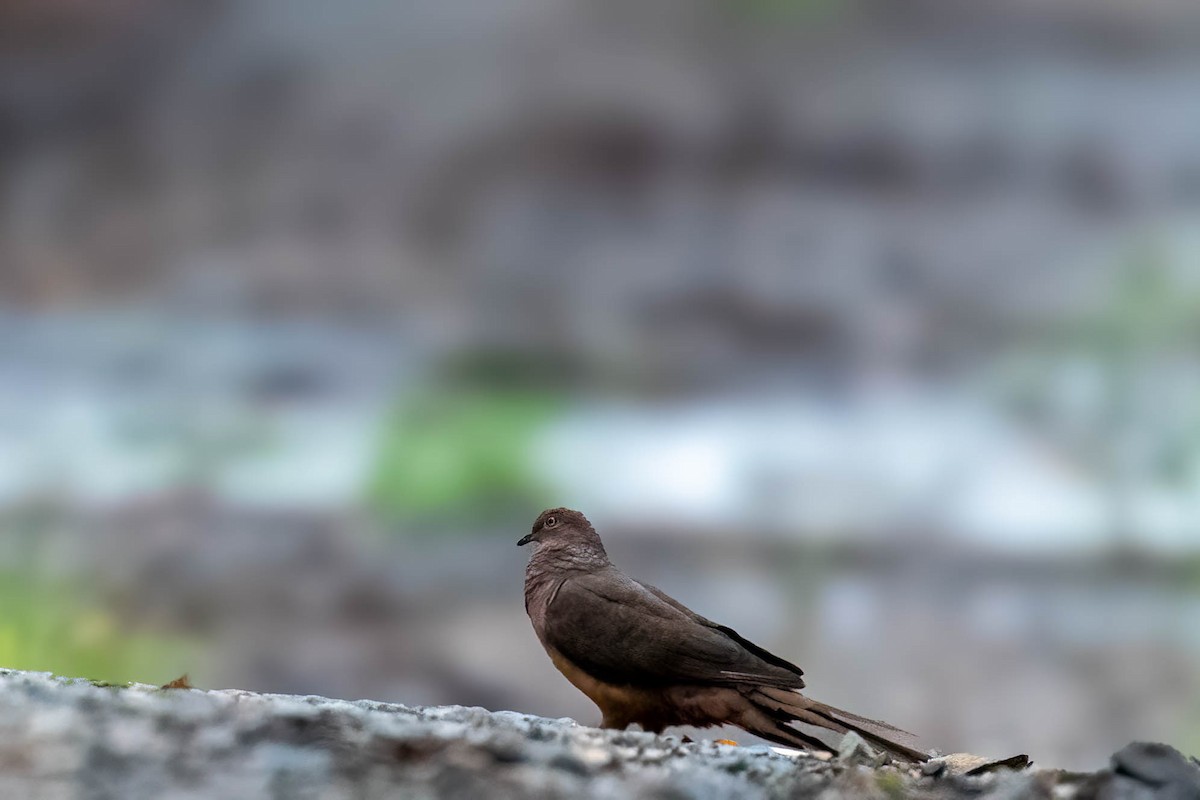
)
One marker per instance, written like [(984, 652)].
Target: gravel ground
[(63, 738)]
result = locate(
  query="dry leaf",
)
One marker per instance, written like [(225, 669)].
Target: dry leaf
[(181, 682)]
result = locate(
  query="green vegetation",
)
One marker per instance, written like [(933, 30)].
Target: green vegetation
[(460, 455), (49, 625), (891, 784)]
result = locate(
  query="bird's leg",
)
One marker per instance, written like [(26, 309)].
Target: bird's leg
[(612, 722), (622, 719)]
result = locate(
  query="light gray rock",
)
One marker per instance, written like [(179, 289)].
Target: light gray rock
[(72, 739)]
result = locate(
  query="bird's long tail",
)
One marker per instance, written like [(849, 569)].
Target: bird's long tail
[(775, 709)]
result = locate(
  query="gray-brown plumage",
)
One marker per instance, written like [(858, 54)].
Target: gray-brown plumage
[(642, 656)]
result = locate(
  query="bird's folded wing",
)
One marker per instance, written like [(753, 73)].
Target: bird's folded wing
[(622, 632), (765, 655)]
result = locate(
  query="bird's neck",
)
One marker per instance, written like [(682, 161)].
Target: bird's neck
[(555, 559), (547, 569), (552, 562)]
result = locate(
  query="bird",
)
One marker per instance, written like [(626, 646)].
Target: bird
[(643, 657)]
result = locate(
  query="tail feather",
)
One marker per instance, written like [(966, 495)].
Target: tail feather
[(889, 737), (784, 707), (772, 725), (797, 739)]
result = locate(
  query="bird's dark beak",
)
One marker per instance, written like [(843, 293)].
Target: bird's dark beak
[(525, 540)]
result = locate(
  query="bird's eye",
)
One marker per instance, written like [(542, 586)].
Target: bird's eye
[(551, 522)]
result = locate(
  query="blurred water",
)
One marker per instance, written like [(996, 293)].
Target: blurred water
[(107, 410), (801, 464)]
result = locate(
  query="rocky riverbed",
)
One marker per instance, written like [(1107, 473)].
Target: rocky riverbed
[(64, 738)]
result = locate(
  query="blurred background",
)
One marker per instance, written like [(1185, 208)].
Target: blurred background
[(871, 329)]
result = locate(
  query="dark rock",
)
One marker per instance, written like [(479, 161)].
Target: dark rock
[(1151, 771)]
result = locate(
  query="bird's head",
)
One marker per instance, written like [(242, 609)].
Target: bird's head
[(563, 528)]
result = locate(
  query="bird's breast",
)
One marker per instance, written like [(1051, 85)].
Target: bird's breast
[(539, 594), (618, 703)]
